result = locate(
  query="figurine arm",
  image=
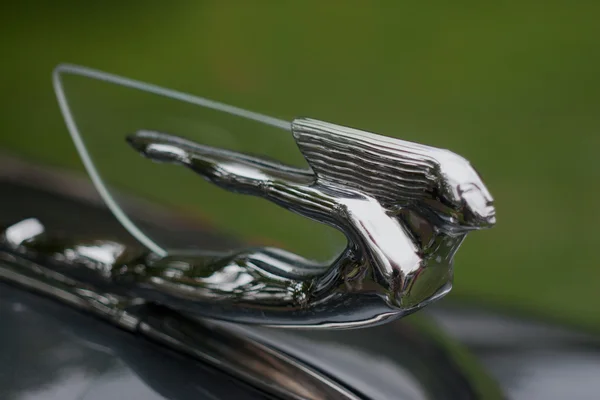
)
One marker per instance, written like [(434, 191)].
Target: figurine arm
[(230, 170)]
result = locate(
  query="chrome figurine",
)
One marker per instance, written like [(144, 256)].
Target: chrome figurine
[(404, 208)]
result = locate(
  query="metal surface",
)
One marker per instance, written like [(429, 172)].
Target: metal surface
[(52, 352), (37, 269), (396, 360)]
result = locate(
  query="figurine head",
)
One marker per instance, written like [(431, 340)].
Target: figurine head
[(471, 203)]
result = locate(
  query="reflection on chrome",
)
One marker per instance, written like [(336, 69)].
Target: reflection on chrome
[(404, 208), (36, 264)]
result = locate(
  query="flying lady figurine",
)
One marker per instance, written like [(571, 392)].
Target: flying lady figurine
[(404, 208)]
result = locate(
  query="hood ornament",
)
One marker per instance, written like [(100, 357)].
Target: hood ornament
[(404, 208)]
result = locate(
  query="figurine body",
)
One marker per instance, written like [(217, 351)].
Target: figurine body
[(404, 208), (402, 233)]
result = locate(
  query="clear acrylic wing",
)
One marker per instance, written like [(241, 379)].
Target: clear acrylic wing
[(101, 110)]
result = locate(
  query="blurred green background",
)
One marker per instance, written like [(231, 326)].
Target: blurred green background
[(513, 86)]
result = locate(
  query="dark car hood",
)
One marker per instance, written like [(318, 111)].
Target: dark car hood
[(57, 352)]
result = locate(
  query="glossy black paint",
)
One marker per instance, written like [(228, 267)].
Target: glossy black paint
[(49, 351)]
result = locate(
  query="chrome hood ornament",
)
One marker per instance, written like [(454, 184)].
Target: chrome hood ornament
[(404, 208)]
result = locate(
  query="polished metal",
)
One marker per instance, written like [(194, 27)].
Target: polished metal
[(52, 266), (404, 209)]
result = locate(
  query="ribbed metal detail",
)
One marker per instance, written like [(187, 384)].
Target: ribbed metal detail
[(391, 170)]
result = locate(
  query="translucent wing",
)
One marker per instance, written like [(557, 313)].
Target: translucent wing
[(157, 203)]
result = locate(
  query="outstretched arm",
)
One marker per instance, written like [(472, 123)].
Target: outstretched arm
[(289, 187), (230, 170)]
